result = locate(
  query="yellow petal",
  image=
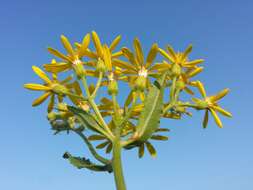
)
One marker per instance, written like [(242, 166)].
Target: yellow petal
[(91, 73), (102, 145), (142, 96), (194, 62), (107, 58), (109, 148), (41, 99), (129, 55), (41, 74), (67, 45), (141, 150), (105, 100), (56, 68), (138, 51), (151, 149), (194, 72), (151, 55), (124, 65), (66, 80), (91, 88), (201, 89), (160, 66), (117, 54), (216, 118), (51, 103), (166, 55), (84, 46), (220, 95), (186, 52), (205, 121), (97, 43), (172, 52), (90, 54), (58, 54), (222, 111), (188, 90), (115, 43), (77, 88), (36, 87)]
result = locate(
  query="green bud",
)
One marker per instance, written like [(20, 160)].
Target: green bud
[(180, 85), (62, 107), (51, 116), (60, 89), (201, 104), (175, 70), (101, 66), (113, 87), (180, 109), (79, 70), (140, 83)]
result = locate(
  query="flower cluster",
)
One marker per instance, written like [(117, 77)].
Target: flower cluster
[(155, 83)]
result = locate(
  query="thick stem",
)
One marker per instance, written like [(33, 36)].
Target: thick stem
[(117, 166)]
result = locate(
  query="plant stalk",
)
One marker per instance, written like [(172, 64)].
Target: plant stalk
[(117, 166)]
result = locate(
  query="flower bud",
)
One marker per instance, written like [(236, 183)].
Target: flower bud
[(101, 66), (59, 89), (175, 70), (201, 104), (51, 116), (62, 107), (113, 87), (79, 70), (140, 83), (180, 85)]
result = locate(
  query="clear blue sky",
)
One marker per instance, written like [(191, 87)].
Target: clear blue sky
[(194, 159)]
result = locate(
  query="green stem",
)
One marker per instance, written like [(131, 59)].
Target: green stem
[(97, 85), (100, 118), (91, 148), (117, 166), (96, 110), (86, 87)]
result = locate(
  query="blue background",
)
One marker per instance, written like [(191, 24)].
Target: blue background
[(193, 158)]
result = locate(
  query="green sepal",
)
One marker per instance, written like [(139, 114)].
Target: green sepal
[(81, 163)]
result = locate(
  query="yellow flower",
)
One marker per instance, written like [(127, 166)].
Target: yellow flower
[(139, 69), (50, 87), (106, 108), (180, 58), (184, 79), (210, 104), (103, 53), (73, 57)]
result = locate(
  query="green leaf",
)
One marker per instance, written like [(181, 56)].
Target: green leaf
[(86, 119), (151, 113), (81, 163)]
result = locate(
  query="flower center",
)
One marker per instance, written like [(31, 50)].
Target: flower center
[(111, 76), (77, 61), (143, 72)]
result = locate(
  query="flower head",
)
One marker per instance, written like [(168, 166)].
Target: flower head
[(72, 59), (180, 58), (51, 87), (210, 104)]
